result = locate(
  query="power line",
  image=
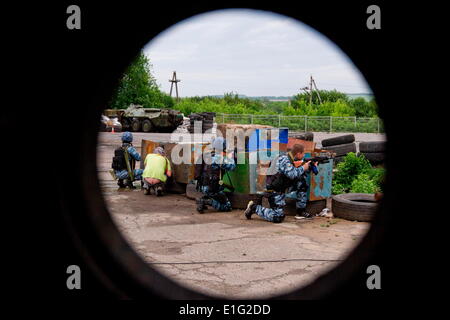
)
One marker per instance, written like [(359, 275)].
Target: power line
[(342, 85)]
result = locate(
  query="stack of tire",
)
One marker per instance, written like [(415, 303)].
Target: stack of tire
[(207, 119), (308, 136), (373, 151), (340, 145)]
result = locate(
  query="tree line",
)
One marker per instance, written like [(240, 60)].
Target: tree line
[(138, 86)]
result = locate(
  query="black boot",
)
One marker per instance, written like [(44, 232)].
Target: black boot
[(121, 184), (159, 191), (251, 208), (278, 219), (202, 204), (129, 184)]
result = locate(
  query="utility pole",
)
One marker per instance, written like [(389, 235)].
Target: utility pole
[(309, 90), (175, 81), (317, 90)]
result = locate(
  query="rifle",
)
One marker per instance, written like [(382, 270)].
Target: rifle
[(127, 160), (318, 159)]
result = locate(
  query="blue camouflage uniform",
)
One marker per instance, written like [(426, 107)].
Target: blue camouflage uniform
[(219, 200), (127, 138), (277, 199), (123, 174)]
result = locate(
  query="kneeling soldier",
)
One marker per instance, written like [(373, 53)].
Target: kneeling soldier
[(209, 178), (124, 163), (157, 170), (290, 174)]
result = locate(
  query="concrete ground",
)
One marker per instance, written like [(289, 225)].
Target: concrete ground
[(223, 254)]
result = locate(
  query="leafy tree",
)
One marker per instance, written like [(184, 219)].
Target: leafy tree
[(325, 95), (138, 86)]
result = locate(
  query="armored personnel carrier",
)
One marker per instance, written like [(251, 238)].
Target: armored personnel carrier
[(137, 118)]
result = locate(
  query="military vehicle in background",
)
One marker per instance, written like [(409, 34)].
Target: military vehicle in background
[(137, 118)]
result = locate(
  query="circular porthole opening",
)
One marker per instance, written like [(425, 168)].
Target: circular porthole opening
[(240, 69)]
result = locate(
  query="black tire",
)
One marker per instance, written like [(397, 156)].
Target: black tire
[(192, 193), (308, 136), (348, 138), (354, 206), (374, 157), (313, 207), (136, 125), (147, 125), (342, 149), (126, 124), (372, 146)]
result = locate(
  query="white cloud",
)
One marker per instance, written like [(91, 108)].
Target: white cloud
[(251, 52)]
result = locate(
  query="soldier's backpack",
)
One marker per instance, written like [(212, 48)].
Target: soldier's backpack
[(119, 162), (278, 182)]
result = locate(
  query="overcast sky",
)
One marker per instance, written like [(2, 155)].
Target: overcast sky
[(249, 52)]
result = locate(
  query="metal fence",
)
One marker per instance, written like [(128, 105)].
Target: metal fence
[(307, 123)]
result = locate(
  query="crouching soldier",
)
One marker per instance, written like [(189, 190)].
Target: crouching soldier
[(209, 178), (157, 170), (290, 174), (124, 163)]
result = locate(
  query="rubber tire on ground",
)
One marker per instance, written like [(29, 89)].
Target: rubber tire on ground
[(313, 207), (342, 149), (147, 125), (308, 136), (345, 139), (191, 192), (136, 125), (372, 146), (374, 157), (347, 206)]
